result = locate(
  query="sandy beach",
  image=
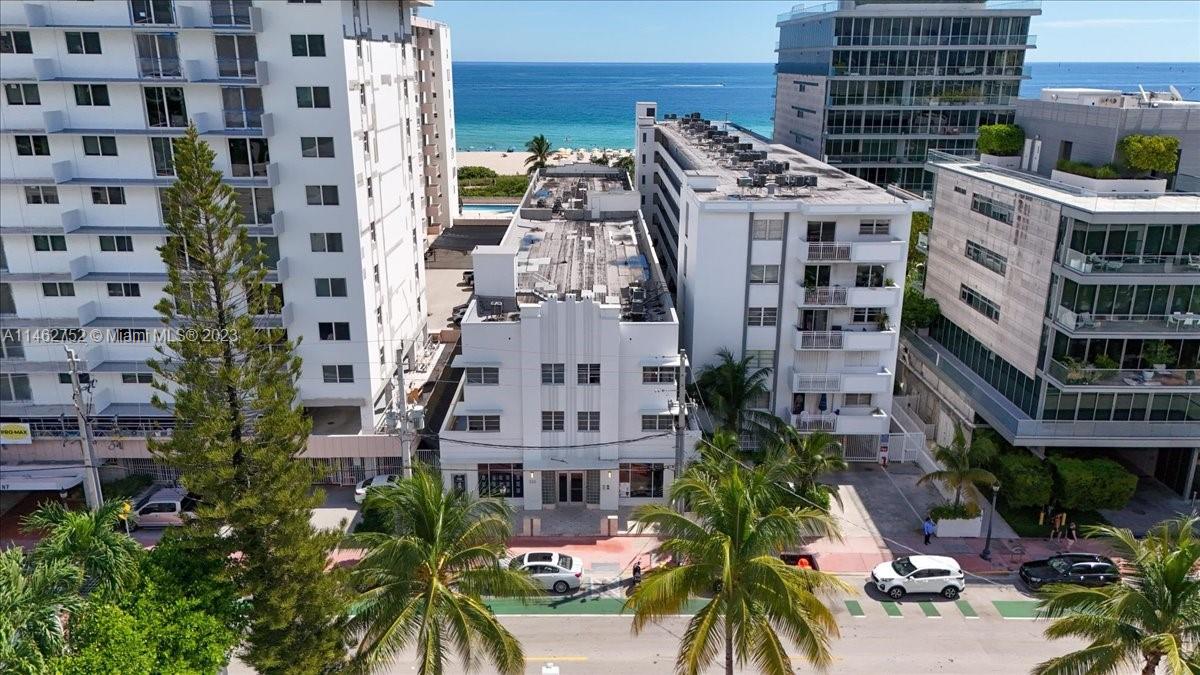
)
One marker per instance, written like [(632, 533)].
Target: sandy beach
[(514, 162)]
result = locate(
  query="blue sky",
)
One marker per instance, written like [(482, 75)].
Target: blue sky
[(744, 30)]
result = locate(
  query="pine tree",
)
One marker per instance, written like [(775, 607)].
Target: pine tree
[(238, 427)]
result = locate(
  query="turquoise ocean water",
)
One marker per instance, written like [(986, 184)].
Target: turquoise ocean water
[(501, 105)]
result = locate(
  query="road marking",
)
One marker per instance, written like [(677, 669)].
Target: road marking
[(1020, 610), (892, 609), (930, 611), (967, 610), (855, 609)]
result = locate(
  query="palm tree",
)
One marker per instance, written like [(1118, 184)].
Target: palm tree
[(422, 582), (33, 601), (729, 390), (625, 163), (1150, 620), (539, 153), (961, 462), (804, 457), (89, 540), (730, 542)]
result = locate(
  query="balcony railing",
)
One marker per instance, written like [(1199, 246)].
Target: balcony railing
[(834, 296), (930, 71), (1091, 263), (236, 68), (828, 251), (803, 9), (821, 421), (243, 119), (1086, 322), (223, 14), (1075, 375), (933, 40), (160, 67), (820, 339), (908, 130), (922, 101)]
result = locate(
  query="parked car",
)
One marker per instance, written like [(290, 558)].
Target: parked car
[(360, 489), (553, 571), (167, 507), (919, 574), (1081, 569)]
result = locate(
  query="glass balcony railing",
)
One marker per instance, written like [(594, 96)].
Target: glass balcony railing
[(930, 71), (948, 100), (1088, 322), (907, 130), (1091, 263), (1084, 375), (243, 119), (236, 68), (160, 67), (933, 40)]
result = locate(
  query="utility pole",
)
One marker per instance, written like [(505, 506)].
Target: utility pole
[(400, 403), (681, 414), (91, 472)]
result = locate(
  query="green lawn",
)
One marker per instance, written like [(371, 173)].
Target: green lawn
[(500, 186), (1025, 520)]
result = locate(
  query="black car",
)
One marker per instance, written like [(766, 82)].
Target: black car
[(1081, 569)]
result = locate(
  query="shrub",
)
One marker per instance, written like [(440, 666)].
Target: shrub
[(500, 186), (1149, 153), (1023, 479), (127, 487), (469, 172), (1084, 169), (948, 511), (1157, 351), (1005, 140), (1090, 484), (919, 311)]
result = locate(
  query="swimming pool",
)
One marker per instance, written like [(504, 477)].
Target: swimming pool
[(486, 209)]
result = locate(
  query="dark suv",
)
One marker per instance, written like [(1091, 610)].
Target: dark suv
[(1081, 569)]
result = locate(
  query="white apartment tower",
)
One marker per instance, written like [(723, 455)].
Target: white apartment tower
[(571, 354), (759, 237), (315, 112), (437, 123)]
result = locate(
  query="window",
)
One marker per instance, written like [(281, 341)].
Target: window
[(152, 11), (41, 194), (764, 274), (326, 242), (137, 378), (991, 208), (588, 420), (101, 146), (10, 345), (658, 422), (249, 156), (641, 481), (162, 151), (108, 195), (312, 97), (553, 420), (65, 378), (116, 242), (308, 45), (762, 316), (7, 304), (761, 358), (553, 373), (483, 375), (316, 146), (15, 42), (257, 204), (987, 257), (767, 229), (22, 94), (334, 287), (856, 400), (321, 195), (83, 42), (483, 423), (124, 290), (165, 107), (14, 387), (340, 374), (866, 315), (49, 242), (230, 12), (874, 226), (58, 289), (658, 374), (588, 373), (960, 189), (333, 330), (500, 480), (869, 276), (32, 145), (978, 302), (243, 106)]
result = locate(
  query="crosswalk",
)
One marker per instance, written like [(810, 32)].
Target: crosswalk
[(1011, 610)]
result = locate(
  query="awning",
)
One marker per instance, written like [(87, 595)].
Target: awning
[(39, 477)]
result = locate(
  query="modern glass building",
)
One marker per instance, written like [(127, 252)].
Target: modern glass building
[(871, 85)]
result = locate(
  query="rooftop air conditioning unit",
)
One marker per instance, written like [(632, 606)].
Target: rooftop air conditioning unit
[(745, 181)]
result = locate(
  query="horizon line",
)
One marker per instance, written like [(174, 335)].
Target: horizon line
[(754, 63)]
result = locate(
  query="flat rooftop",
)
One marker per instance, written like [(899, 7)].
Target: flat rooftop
[(716, 148), (1070, 195)]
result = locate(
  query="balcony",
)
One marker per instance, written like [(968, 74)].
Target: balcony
[(845, 421), (856, 380), (160, 68), (1127, 324), (1072, 375), (949, 100), (867, 339), (824, 296), (856, 252), (1091, 263), (936, 41), (841, 69), (235, 68), (880, 296)]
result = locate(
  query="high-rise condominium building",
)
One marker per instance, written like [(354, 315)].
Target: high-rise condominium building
[(759, 237), (1070, 315), (315, 111), (570, 351), (871, 85)]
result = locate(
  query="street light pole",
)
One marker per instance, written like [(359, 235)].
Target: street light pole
[(987, 545)]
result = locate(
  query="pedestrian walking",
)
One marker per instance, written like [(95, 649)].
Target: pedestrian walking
[(928, 528), (1071, 536), (637, 572)]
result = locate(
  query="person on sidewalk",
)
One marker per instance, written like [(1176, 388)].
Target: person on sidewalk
[(1071, 536), (928, 528), (637, 573)]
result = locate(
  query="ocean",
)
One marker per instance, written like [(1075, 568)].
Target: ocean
[(501, 105)]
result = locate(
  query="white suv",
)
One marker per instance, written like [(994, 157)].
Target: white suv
[(919, 574)]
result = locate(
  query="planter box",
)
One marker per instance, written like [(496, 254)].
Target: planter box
[(1002, 161), (1155, 186), (960, 528)]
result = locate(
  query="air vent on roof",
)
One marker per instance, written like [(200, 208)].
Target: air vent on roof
[(745, 181)]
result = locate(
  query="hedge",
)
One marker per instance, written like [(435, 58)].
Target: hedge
[(1024, 480), (469, 172), (1005, 140), (1090, 484), (1104, 172), (947, 511), (1149, 153)]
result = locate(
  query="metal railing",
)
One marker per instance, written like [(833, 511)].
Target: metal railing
[(1127, 323), (803, 9), (932, 40), (235, 67), (807, 421), (825, 295), (820, 339), (1131, 264), (160, 67), (1081, 375), (243, 119), (921, 101), (830, 251), (930, 71), (907, 130)]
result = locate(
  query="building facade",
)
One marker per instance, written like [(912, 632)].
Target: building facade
[(314, 111), (1085, 125), (871, 85), (437, 123), (758, 237), (1070, 315), (570, 351)]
